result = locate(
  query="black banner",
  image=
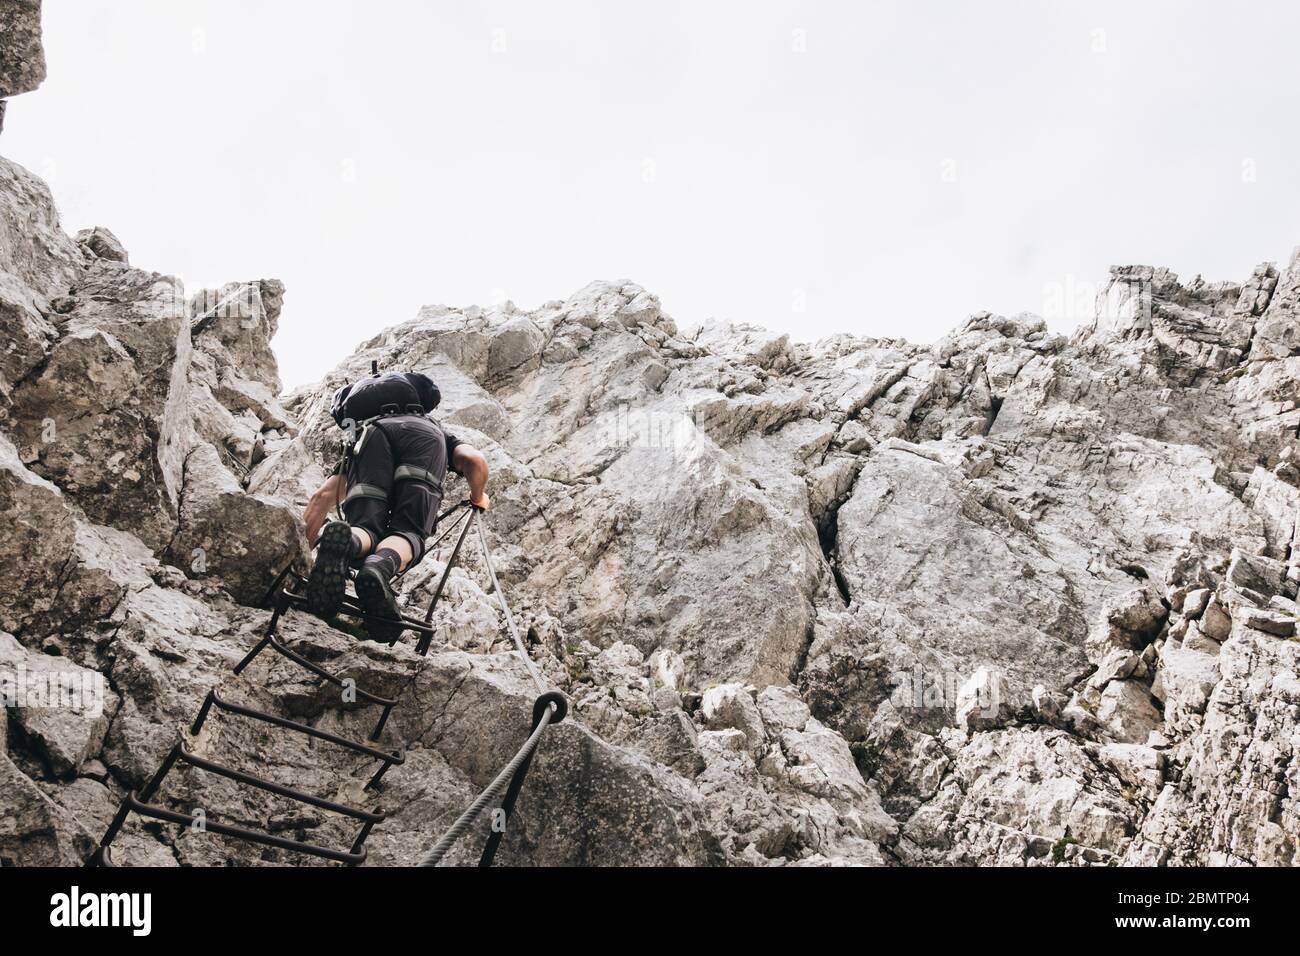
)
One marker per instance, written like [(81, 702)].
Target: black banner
[(338, 905)]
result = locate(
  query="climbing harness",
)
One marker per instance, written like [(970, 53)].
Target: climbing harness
[(549, 708)]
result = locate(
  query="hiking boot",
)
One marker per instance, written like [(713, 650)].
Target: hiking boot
[(377, 598), (327, 582)]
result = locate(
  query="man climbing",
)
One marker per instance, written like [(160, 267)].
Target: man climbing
[(390, 494)]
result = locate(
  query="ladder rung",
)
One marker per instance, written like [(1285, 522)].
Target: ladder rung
[(271, 786), (230, 707), (240, 833), (353, 609), (323, 673)]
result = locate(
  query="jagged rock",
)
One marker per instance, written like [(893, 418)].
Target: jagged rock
[(1277, 502), (26, 329), (732, 706), (61, 709), (34, 830), (1215, 622), (1139, 766), (105, 417), (102, 244), (234, 326), (1270, 622), (982, 702), (36, 531), (1256, 573), (1014, 793), (33, 248), (1195, 603), (1119, 664), (241, 539), (1275, 334), (1184, 681), (1129, 622), (852, 601), (22, 58), (1126, 712), (1216, 816)]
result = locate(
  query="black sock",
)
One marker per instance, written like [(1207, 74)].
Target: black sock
[(386, 560)]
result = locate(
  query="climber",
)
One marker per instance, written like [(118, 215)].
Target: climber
[(389, 488)]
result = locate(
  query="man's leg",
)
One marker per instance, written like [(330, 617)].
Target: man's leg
[(419, 450), (369, 482), (401, 547)]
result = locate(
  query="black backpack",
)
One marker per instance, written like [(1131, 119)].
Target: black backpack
[(392, 393)]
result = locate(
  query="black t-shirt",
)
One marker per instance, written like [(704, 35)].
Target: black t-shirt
[(452, 442)]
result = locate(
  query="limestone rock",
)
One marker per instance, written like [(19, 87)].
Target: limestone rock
[(1216, 622), (105, 417), (1270, 622), (22, 58), (982, 701), (242, 540), (26, 328), (1126, 712), (730, 706), (61, 709), (1007, 598), (33, 248), (102, 244)]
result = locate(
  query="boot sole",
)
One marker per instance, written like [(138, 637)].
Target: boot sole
[(378, 601), (327, 582)]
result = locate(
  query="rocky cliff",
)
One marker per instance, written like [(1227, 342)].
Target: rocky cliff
[(1009, 598)]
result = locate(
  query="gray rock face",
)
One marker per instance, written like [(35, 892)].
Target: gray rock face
[(1009, 598), (22, 58)]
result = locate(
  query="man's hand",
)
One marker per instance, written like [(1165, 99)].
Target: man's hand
[(469, 461), (318, 507)]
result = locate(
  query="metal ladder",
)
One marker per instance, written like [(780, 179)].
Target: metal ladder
[(285, 591)]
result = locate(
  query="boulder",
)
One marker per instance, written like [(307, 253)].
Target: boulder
[(1127, 713), (239, 539), (982, 702), (61, 710), (100, 243), (1256, 573), (515, 347), (1278, 623), (732, 706)]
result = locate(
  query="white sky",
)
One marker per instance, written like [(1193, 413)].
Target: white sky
[(916, 162)]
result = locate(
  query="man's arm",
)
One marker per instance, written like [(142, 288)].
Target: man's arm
[(471, 464), (318, 507)]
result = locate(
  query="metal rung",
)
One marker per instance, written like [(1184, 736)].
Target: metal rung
[(353, 609), (132, 803), (194, 760), (321, 672), (216, 700)]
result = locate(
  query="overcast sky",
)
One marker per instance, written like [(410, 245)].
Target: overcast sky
[(815, 167)]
